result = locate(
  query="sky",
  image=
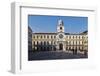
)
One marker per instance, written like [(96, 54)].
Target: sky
[(43, 23)]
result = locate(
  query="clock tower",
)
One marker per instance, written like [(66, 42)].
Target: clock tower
[(60, 35), (60, 26)]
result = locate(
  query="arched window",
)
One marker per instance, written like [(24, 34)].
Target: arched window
[(51, 36), (44, 36), (51, 42), (69, 37), (37, 37), (41, 36), (41, 43), (79, 37), (44, 43), (60, 28), (47, 42), (73, 37), (76, 42), (34, 43), (54, 42), (54, 36), (76, 37), (41, 48), (48, 36), (34, 37)]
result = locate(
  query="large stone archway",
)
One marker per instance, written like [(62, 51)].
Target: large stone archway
[(60, 46)]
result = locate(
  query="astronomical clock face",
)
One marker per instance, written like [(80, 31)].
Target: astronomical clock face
[(61, 36)]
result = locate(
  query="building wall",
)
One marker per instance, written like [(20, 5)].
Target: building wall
[(29, 39), (43, 42), (76, 42), (47, 42)]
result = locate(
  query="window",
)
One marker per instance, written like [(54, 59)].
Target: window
[(79, 42), (47, 43), (33, 42), (60, 28), (73, 43), (47, 36), (41, 42), (51, 36), (68, 37), (69, 43), (54, 42), (79, 37), (54, 36), (44, 43), (44, 36), (76, 37), (51, 42), (76, 42), (34, 37), (41, 36), (37, 37)]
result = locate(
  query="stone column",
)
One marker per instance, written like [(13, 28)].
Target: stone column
[(64, 47), (57, 47)]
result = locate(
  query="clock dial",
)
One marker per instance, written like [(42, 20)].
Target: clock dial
[(61, 36)]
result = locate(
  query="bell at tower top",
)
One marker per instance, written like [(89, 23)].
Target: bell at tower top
[(60, 22)]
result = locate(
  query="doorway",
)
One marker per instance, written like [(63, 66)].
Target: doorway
[(60, 46)]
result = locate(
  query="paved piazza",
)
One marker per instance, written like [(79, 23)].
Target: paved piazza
[(51, 55)]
